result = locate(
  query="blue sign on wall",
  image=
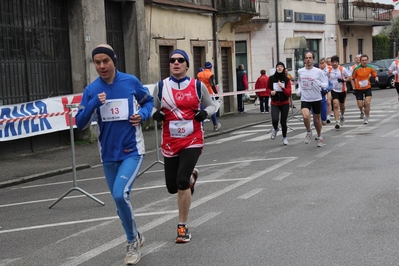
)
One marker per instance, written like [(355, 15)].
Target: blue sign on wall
[(310, 18)]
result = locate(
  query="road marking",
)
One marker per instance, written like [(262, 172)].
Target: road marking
[(148, 187), (393, 133), (220, 141), (304, 164), (323, 153), (96, 251), (250, 193), (282, 176), (203, 219)]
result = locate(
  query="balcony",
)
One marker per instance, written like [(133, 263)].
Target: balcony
[(236, 7), (361, 13), (238, 12), (262, 8)]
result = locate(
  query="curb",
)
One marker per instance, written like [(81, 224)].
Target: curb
[(30, 178)]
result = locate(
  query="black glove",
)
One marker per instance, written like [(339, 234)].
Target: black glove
[(200, 115), (341, 80), (376, 83), (159, 115), (323, 92)]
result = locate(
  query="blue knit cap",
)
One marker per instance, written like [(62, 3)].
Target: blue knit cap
[(181, 52), (208, 65)]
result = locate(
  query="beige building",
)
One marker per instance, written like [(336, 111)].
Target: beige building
[(287, 28)]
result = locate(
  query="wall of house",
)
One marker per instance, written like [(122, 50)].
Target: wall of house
[(180, 28)]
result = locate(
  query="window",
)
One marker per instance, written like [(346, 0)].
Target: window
[(241, 53), (359, 46)]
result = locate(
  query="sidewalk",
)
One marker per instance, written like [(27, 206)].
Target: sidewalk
[(34, 166)]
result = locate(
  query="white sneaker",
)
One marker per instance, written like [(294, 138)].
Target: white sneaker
[(320, 142), (366, 120), (285, 141), (308, 137), (216, 127), (341, 120), (133, 253), (274, 133), (337, 126)]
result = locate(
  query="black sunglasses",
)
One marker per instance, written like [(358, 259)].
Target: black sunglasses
[(181, 60)]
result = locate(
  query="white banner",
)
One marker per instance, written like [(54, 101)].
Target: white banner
[(38, 117)]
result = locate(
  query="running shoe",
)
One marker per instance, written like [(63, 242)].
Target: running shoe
[(323, 122), (216, 127), (320, 142), (366, 120), (308, 137), (328, 121), (285, 141), (341, 120), (361, 115), (183, 235), (193, 179), (337, 126), (133, 253), (274, 133)]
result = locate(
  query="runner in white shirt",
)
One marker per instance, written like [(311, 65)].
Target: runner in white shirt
[(394, 69), (312, 83), (338, 75)]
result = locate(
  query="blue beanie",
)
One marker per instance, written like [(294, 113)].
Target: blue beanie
[(208, 65), (181, 52), (200, 69)]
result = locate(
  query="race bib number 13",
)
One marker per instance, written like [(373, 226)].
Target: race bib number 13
[(114, 110)]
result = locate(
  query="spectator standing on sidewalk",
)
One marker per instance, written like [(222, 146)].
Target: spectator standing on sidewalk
[(206, 76), (280, 87), (178, 99), (120, 137), (312, 82), (263, 96), (242, 85)]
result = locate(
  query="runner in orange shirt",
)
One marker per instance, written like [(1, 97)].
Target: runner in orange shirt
[(361, 75)]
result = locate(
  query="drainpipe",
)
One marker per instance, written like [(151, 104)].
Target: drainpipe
[(215, 43), (277, 40)]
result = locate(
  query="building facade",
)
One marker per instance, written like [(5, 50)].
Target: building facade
[(45, 47), (288, 28)]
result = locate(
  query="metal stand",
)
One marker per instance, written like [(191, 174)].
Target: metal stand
[(293, 115), (75, 187), (157, 150)]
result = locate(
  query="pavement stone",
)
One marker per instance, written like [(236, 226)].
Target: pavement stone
[(28, 167)]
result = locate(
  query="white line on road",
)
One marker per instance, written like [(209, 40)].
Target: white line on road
[(142, 188), (96, 251), (304, 164), (204, 218), (250, 193), (220, 141), (282, 176), (323, 153)]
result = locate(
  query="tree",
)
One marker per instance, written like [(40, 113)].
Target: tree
[(392, 33)]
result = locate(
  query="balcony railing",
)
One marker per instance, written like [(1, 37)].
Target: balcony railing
[(364, 11), (236, 6)]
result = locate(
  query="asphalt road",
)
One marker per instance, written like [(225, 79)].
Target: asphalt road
[(256, 202)]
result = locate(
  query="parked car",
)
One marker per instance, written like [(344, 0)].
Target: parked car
[(385, 79), (384, 62)]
